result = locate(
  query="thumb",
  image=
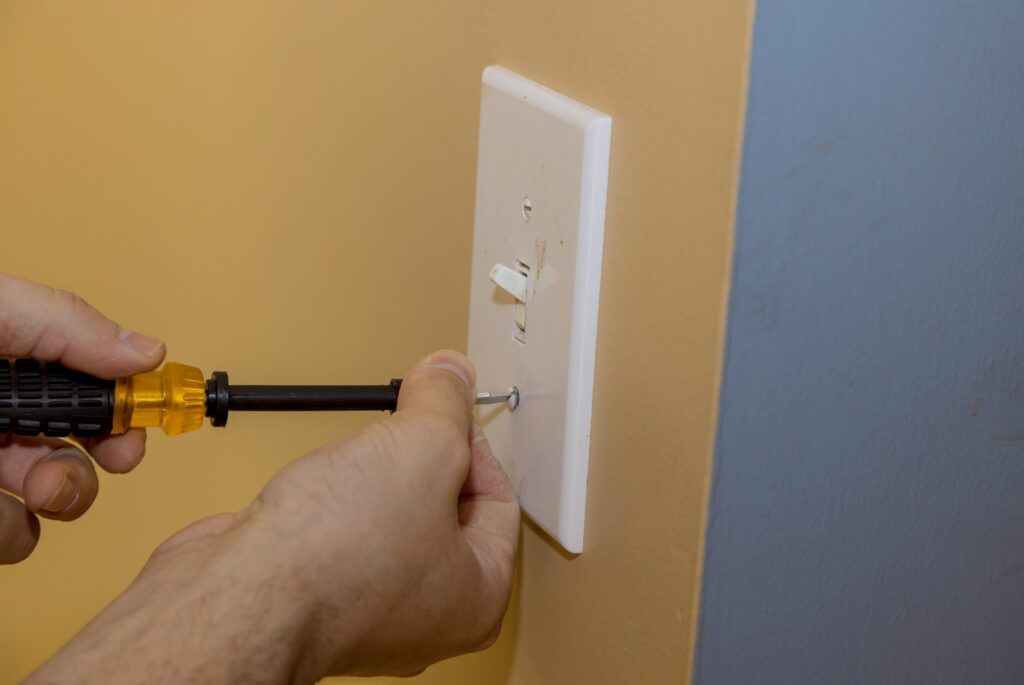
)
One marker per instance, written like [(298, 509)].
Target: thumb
[(441, 386), (54, 325)]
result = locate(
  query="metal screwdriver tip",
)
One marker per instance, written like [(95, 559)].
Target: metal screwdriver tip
[(510, 396)]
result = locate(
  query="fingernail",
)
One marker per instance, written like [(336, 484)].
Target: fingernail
[(454, 362), (63, 498), (143, 344)]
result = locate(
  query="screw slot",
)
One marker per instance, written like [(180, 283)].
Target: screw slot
[(527, 208)]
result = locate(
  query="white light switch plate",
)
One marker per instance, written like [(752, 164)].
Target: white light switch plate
[(542, 176)]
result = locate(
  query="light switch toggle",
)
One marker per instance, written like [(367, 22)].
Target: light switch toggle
[(515, 282), (510, 280)]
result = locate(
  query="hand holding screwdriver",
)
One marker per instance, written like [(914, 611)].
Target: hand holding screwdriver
[(48, 477), (380, 553)]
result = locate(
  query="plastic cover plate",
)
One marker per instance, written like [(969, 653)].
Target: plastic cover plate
[(542, 175)]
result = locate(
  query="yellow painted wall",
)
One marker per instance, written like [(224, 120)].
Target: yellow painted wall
[(267, 185)]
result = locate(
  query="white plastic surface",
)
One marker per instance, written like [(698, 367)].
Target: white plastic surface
[(511, 281), (542, 176)]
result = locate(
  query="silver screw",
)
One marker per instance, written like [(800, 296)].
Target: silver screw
[(510, 396)]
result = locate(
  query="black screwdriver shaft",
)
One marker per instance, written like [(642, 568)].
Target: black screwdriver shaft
[(222, 397), (312, 397)]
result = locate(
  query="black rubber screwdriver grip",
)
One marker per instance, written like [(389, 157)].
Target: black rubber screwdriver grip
[(49, 399)]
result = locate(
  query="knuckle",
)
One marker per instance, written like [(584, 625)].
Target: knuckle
[(376, 432), (67, 452), (80, 465), (441, 430), (72, 304), (454, 385), (52, 338), (19, 333), (378, 437), (445, 384), (506, 550)]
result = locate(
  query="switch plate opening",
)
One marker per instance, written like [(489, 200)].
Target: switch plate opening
[(519, 308)]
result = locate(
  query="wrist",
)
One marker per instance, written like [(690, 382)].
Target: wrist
[(307, 594), (287, 591), (218, 608)]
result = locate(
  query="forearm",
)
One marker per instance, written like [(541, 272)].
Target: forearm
[(195, 615)]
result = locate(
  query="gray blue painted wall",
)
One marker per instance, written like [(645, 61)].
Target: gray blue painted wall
[(866, 521)]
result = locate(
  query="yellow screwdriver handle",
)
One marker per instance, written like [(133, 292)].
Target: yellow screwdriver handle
[(172, 398)]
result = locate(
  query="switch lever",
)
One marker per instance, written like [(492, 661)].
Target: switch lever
[(509, 280)]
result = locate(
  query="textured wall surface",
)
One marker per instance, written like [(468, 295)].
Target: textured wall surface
[(867, 509), (269, 185)]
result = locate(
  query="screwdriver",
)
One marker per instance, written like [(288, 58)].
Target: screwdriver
[(46, 398)]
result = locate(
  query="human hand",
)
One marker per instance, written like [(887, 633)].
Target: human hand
[(53, 478), (380, 553), (406, 532)]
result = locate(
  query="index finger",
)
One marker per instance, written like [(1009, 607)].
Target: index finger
[(54, 325)]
